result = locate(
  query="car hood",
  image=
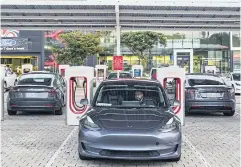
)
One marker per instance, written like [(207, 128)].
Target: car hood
[(126, 118)]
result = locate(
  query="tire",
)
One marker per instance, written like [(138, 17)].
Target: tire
[(83, 157), (59, 112), (10, 112), (187, 112), (231, 113)]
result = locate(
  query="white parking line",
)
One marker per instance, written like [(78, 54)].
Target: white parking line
[(194, 149), (52, 159)]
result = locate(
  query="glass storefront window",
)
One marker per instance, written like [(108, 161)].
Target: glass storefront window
[(236, 60), (236, 38)]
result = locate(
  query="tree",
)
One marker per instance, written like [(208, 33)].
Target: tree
[(77, 46), (141, 43)]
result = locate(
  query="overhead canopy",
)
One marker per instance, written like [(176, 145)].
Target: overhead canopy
[(216, 15)]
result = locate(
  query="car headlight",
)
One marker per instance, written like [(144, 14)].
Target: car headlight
[(170, 126), (89, 124)]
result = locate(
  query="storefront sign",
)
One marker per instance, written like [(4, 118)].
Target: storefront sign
[(14, 44), (9, 33)]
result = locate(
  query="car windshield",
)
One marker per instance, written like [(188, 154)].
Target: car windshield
[(122, 75), (36, 79), (130, 96), (207, 80), (236, 76)]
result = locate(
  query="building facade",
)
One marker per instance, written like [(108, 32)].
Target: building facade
[(219, 48)]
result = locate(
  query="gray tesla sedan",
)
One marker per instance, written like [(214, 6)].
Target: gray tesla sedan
[(37, 91), (208, 93), (130, 119)]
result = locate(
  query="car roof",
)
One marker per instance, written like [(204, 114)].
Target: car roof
[(130, 81)]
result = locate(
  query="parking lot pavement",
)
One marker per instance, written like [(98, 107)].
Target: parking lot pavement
[(44, 140)]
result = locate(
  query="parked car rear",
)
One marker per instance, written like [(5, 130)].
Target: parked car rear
[(37, 92), (208, 93)]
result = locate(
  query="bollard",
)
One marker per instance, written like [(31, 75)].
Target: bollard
[(2, 100)]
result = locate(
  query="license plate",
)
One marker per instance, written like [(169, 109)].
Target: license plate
[(214, 95), (31, 95)]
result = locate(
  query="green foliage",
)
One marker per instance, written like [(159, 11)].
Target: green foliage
[(142, 42), (77, 47)]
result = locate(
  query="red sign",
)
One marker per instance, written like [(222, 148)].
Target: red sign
[(117, 63)]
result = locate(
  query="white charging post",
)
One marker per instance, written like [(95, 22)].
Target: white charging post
[(177, 75), (27, 67), (137, 71), (100, 71), (62, 69), (73, 111)]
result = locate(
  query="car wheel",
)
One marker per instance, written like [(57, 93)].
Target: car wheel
[(83, 157), (186, 112), (231, 113), (10, 112), (59, 112)]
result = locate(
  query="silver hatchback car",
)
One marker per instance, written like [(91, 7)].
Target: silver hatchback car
[(130, 119), (208, 93)]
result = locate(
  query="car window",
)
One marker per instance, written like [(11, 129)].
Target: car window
[(126, 96), (122, 75), (36, 79), (125, 75), (112, 76), (236, 76), (205, 81)]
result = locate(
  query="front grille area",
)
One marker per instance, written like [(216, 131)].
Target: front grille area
[(129, 153)]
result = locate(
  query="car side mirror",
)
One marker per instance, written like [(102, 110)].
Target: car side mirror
[(84, 102), (175, 103)]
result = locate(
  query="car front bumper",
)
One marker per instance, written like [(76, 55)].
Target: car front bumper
[(210, 106), (129, 145), (34, 105)]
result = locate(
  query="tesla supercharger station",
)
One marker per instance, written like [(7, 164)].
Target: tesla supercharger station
[(26, 68), (177, 75), (100, 73), (137, 71), (62, 69), (72, 74)]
